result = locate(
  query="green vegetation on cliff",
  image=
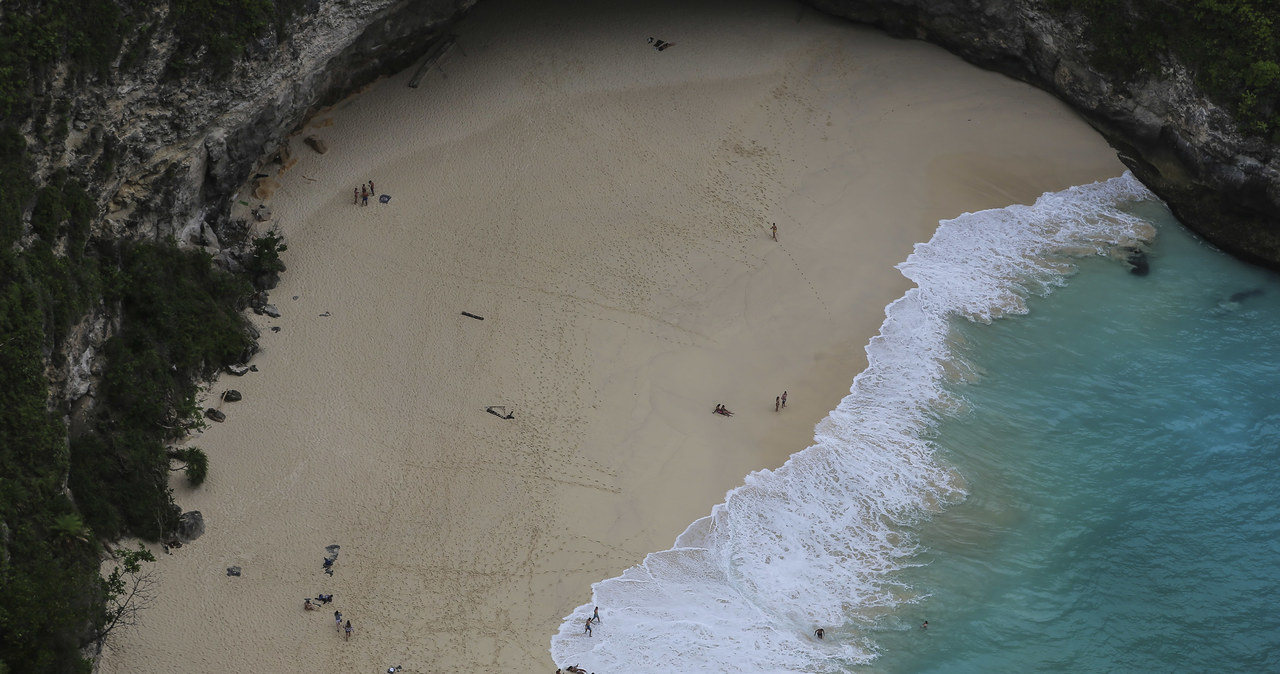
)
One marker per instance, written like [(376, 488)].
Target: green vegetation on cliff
[(1230, 45), (90, 38), (172, 317), (178, 319)]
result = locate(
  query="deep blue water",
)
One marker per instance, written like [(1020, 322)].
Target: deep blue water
[(1120, 447)]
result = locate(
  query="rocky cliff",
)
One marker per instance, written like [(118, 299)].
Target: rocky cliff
[(163, 152), (1220, 182)]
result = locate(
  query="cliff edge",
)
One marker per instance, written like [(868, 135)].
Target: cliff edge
[(1219, 180)]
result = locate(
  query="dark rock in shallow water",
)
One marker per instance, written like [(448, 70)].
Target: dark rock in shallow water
[(1137, 259), (231, 395), (190, 526), (1245, 294), (215, 415)]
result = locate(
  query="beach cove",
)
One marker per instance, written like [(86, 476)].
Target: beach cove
[(606, 208)]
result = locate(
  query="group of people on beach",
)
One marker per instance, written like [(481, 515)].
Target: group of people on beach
[(313, 605), (362, 193), (779, 403), (595, 618), (337, 619)]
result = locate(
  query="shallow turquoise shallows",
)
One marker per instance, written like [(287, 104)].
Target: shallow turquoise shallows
[(1120, 449), (1060, 465)]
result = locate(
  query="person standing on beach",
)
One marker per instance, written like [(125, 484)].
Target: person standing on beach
[(595, 617), (588, 630), (777, 402), (364, 195), (337, 618), (784, 400), (355, 196), (371, 188), (775, 231), (348, 630)]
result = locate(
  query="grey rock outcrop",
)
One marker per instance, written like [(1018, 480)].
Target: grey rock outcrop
[(1219, 181), (190, 526), (316, 143)]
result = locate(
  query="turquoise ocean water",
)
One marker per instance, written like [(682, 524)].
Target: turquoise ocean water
[(1122, 452), (1062, 466)]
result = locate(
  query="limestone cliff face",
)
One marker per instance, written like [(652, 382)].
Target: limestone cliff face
[(164, 155), (1220, 182)]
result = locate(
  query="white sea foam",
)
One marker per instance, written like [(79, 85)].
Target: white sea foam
[(817, 542)]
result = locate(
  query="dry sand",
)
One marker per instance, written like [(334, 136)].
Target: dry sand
[(606, 208)]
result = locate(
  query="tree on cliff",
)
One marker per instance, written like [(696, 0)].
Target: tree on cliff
[(127, 590)]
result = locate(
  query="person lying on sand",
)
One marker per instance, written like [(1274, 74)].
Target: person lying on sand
[(660, 45), (307, 605)]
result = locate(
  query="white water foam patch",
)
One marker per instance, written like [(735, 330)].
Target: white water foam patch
[(817, 542)]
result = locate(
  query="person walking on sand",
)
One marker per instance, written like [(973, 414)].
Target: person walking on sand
[(784, 400), (348, 631), (588, 630), (775, 231), (777, 402), (337, 618)]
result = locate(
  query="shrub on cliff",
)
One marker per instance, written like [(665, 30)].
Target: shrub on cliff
[(264, 258), (180, 321), (1230, 46), (195, 463), (49, 564)]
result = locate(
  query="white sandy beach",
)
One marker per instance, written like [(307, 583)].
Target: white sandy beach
[(606, 208)]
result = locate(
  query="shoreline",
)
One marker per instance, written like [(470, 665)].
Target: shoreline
[(606, 209)]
